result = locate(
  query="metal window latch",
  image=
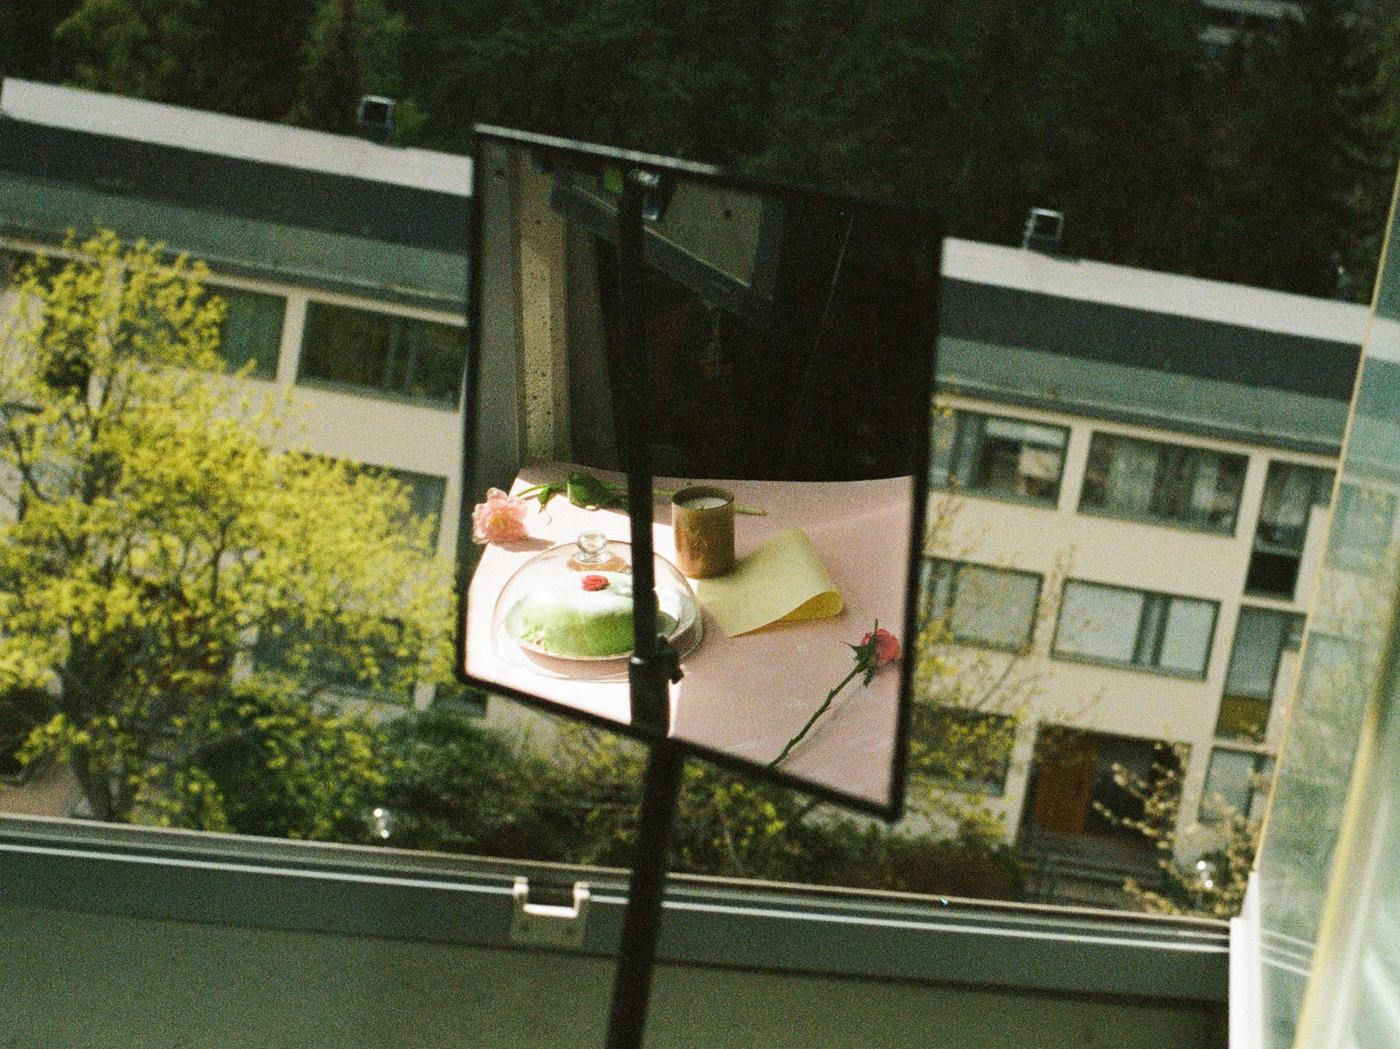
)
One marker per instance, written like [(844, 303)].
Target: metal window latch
[(555, 918)]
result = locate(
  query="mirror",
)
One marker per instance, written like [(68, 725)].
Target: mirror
[(788, 343)]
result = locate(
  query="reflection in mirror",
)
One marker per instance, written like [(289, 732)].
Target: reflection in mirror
[(789, 341)]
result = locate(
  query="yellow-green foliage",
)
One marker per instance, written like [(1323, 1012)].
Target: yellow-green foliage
[(159, 522)]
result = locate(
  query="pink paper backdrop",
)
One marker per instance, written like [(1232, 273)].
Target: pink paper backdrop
[(746, 695)]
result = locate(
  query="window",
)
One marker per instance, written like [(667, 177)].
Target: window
[(1237, 781), (998, 456), (1361, 533), (1290, 493), (1135, 628), (982, 605), (1169, 483), (966, 749), (252, 329), (382, 353), (1261, 638)]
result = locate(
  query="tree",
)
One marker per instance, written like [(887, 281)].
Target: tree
[(1213, 884), (230, 56), (354, 47), (179, 589)]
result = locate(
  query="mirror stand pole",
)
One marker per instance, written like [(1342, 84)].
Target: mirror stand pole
[(653, 665), (642, 922)]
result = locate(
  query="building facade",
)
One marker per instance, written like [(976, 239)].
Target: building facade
[(1136, 471)]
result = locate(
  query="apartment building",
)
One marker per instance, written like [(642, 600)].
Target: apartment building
[(1136, 470), (342, 262)]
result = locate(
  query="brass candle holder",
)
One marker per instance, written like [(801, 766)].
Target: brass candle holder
[(703, 519)]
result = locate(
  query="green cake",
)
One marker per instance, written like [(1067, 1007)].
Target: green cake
[(579, 616)]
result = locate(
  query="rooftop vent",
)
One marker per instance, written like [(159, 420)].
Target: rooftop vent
[(374, 119), (1044, 229)]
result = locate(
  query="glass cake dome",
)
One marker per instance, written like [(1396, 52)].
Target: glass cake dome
[(572, 604)]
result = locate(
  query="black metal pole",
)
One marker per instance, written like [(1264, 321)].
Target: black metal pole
[(653, 663), (641, 926), (651, 666)]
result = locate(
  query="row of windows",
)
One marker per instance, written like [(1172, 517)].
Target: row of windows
[(1155, 481), (1119, 626), (1113, 625), (344, 346)]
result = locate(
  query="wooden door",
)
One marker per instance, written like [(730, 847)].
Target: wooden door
[(1064, 779)]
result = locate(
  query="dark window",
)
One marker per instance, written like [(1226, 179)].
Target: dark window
[(1290, 493), (981, 604), (967, 749), (998, 456), (382, 353), (1169, 483), (1261, 637), (252, 329), (1135, 628)]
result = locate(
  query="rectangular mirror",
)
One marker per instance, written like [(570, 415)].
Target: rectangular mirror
[(789, 343)]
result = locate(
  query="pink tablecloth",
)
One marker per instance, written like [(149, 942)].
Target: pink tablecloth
[(747, 695)]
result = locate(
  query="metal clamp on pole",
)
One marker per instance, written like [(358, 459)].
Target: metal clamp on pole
[(557, 920)]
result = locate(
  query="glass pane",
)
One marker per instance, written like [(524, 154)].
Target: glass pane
[(1186, 641), (936, 588), (966, 749), (1123, 475), (1254, 658), (1245, 718), (1229, 783), (1099, 622), (252, 329), (945, 433), (1290, 493), (382, 352), (994, 606), (1364, 527)]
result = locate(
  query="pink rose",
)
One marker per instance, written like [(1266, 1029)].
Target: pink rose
[(501, 519), (886, 646)]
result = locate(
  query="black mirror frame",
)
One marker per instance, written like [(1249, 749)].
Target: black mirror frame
[(586, 156)]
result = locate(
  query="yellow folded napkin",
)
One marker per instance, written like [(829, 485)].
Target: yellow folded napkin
[(784, 580)]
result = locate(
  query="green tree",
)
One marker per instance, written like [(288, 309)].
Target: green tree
[(230, 56), (1213, 884), (354, 47), (1296, 166), (179, 588)]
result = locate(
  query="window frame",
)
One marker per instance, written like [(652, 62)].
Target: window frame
[(1289, 640), (302, 378), (958, 418), (1224, 532), (376, 892), (930, 566), (1262, 762), (216, 287), (1076, 657)]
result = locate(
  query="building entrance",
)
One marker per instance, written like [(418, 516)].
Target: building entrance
[(1074, 789)]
